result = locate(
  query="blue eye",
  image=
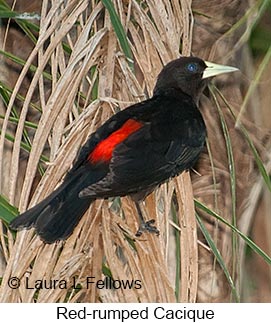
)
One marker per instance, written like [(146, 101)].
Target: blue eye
[(192, 67)]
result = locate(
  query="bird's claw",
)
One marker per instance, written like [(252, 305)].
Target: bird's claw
[(147, 226)]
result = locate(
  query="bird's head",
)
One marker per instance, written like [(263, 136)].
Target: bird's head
[(189, 74)]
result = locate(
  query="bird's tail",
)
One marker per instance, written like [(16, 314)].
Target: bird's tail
[(56, 216)]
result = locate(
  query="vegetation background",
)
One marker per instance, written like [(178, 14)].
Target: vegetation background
[(66, 67)]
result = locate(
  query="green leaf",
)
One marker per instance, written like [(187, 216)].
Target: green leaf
[(120, 32), (5, 93), (218, 257), (25, 147), (247, 240), (232, 173), (22, 19), (252, 147), (177, 251), (106, 271), (7, 211), (15, 120), (22, 62), (231, 165), (253, 84), (257, 158)]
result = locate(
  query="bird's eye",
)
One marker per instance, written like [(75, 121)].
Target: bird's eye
[(192, 67)]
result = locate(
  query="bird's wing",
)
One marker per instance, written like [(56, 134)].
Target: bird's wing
[(143, 145), (111, 126), (140, 162)]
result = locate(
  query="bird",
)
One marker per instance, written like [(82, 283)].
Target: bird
[(133, 152)]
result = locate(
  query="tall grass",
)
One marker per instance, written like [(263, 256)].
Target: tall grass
[(88, 60)]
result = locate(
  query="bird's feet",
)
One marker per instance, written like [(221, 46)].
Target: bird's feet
[(147, 226)]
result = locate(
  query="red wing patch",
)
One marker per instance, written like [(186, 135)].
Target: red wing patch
[(104, 150)]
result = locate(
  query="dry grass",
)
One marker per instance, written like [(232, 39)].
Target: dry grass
[(102, 233), (105, 236)]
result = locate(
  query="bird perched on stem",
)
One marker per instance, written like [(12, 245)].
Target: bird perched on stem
[(133, 152)]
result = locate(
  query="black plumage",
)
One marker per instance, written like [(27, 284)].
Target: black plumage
[(136, 150)]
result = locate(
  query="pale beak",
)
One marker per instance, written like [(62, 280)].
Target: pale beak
[(213, 69)]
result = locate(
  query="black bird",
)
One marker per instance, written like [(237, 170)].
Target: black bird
[(133, 152)]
